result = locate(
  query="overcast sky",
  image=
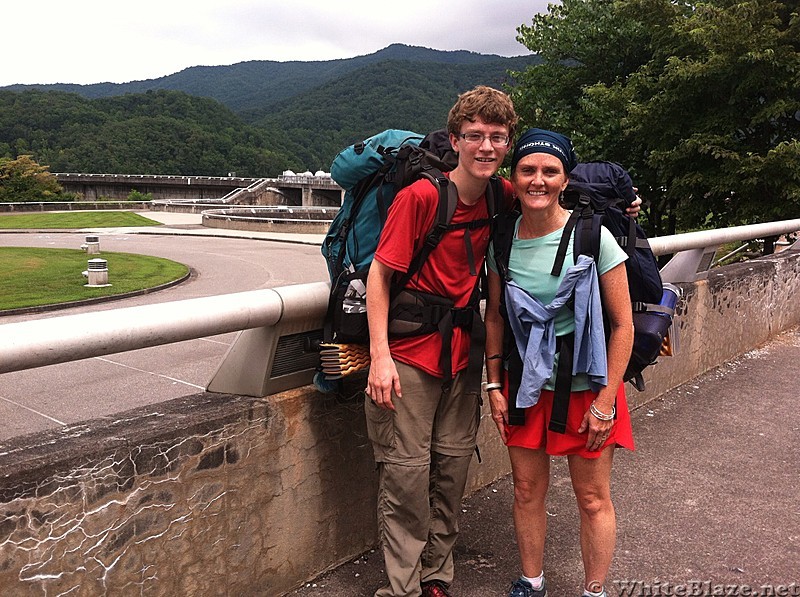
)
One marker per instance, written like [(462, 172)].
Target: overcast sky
[(93, 41)]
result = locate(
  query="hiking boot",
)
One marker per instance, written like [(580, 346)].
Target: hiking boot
[(522, 588), (435, 588)]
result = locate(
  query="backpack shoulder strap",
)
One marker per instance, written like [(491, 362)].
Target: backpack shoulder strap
[(587, 237), (446, 207), (502, 237), (495, 197), (582, 211)]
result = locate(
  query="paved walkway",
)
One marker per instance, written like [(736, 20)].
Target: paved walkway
[(709, 496)]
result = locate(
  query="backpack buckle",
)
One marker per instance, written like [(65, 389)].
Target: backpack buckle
[(462, 317), (432, 240), (441, 180)]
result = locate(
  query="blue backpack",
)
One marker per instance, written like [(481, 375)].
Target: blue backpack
[(598, 194), (368, 172)]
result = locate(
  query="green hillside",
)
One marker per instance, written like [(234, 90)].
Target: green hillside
[(258, 84), (255, 118), (158, 132)]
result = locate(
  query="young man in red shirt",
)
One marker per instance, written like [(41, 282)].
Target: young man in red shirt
[(422, 426)]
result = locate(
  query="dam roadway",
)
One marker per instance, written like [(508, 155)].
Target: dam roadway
[(221, 262)]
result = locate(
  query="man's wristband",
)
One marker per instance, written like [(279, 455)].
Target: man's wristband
[(492, 385)]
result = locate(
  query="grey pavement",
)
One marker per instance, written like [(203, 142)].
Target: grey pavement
[(707, 504)]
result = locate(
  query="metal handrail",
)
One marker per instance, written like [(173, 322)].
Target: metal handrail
[(665, 245), (694, 251), (36, 343)]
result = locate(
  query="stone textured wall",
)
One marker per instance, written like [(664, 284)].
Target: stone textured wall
[(217, 494), (207, 495)]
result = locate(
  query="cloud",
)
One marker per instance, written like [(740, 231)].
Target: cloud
[(90, 41)]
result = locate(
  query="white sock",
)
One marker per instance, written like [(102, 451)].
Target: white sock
[(588, 593), (537, 582)]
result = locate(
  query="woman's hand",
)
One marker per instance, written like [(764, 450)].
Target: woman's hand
[(499, 405), (597, 429), (617, 304)]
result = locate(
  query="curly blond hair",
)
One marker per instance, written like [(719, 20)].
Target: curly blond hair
[(485, 103)]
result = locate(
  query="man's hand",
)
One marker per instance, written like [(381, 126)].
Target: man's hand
[(383, 380), (634, 208), (383, 377)]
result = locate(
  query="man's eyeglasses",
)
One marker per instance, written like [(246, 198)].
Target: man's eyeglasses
[(477, 139)]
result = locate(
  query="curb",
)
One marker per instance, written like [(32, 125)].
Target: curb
[(165, 232)]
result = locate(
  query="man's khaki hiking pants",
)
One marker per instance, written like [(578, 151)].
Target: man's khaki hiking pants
[(423, 450)]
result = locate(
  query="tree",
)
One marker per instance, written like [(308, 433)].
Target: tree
[(163, 132), (23, 180), (700, 100)]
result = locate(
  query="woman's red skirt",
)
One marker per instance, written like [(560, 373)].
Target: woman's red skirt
[(535, 434)]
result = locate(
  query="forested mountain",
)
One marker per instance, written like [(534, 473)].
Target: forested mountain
[(257, 84), (158, 132), (255, 118), (391, 94)]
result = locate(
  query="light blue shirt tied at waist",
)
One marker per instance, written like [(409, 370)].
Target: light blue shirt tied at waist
[(533, 325)]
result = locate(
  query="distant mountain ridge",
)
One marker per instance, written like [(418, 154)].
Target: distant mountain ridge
[(299, 114), (256, 84)]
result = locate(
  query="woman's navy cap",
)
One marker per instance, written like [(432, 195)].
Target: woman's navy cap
[(541, 141)]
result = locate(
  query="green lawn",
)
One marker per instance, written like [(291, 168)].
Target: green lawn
[(76, 219), (34, 277)]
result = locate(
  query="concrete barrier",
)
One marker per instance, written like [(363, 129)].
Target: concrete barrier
[(223, 494), (44, 206), (735, 309), (303, 220)]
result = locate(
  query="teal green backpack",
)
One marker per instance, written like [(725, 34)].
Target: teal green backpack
[(372, 172)]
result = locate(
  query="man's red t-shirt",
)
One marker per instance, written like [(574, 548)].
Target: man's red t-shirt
[(445, 273)]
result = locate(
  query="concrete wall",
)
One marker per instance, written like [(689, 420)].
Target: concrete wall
[(738, 308), (217, 494), (296, 190), (97, 192), (306, 220), (73, 206), (118, 186)]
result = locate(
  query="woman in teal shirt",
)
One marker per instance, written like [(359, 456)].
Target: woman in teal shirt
[(597, 419)]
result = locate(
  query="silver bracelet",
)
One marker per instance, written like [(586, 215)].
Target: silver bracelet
[(492, 385), (601, 415)]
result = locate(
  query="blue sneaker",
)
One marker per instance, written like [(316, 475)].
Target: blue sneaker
[(522, 588)]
